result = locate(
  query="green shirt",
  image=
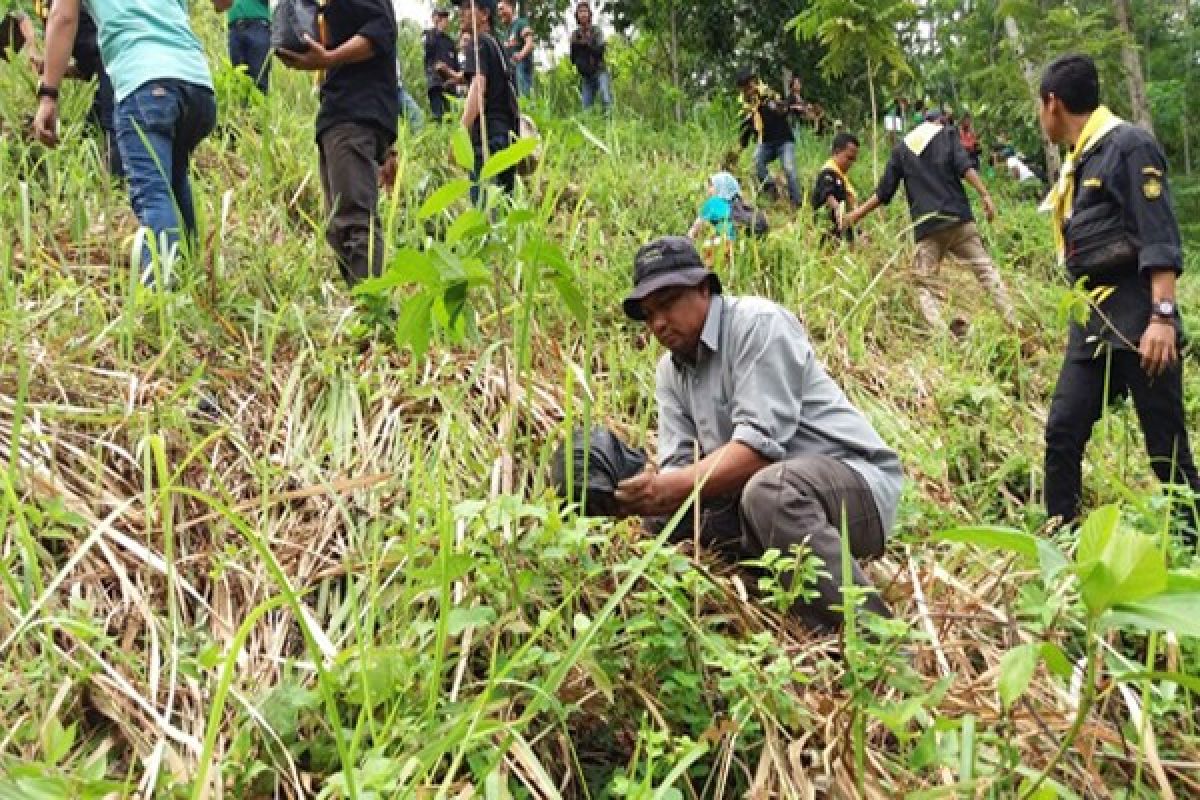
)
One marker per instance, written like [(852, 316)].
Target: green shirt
[(513, 38), (249, 9), (148, 40)]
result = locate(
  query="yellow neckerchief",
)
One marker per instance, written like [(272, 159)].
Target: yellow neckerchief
[(1061, 199), (922, 135), (851, 195), (754, 108)]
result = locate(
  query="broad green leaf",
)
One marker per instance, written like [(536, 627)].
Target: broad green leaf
[(407, 266), (508, 158), (1051, 560), (1096, 533), (463, 618), (1056, 660), (469, 222), (444, 197), (1116, 564), (414, 327), (1170, 611), (1009, 539), (464, 151), (1016, 671)]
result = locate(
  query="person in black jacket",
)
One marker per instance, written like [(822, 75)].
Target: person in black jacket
[(765, 120), (932, 165), (490, 113), (356, 125), (587, 54), (1116, 232), (442, 69)]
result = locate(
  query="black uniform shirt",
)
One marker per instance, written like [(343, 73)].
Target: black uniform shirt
[(364, 92), (499, 104), (830, 184), (1127, 173), (439, 49), (932, 183), (777, 129)]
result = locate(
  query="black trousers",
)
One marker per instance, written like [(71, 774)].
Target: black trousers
[(798, 502), (437, 104), (1078, 403), (350, 155)]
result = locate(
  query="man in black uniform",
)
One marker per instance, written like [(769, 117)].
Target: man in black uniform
[(833, 193), (356, 125), (932, 164), (1115, 230), (442, 72), (765, 121)]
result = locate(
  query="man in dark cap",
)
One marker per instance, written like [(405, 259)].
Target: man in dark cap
[(748, 414), (442, 70)]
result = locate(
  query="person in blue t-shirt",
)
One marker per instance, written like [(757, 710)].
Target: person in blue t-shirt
[(165, 106), (717, 214)]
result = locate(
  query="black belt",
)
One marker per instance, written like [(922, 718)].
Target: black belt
[(239, 24)]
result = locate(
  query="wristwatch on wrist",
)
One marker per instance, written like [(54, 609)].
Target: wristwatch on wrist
[(47, 91), (1164, 309)]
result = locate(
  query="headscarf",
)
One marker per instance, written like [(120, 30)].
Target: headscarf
[(725, 186)]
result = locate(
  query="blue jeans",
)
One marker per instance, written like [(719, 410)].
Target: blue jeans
[(250, 47), (412, 113), (158, 127), (786, 153), (524, 70), (598, 84)]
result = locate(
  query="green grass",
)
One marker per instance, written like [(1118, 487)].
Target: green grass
[(350, 581)]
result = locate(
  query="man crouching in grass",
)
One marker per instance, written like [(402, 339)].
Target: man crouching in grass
[(748, 413)]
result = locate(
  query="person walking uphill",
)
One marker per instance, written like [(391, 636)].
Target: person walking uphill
[(165, 105), (1115, 229), (783, 458), (587, 54), (765, 120), (932, 164), (356, 125), (490, 114), (249, 38)]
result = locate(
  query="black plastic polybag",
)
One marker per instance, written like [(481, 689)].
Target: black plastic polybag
[(290, 21), (609, 461)]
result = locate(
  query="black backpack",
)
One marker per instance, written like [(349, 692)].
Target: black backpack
[(747, 216)]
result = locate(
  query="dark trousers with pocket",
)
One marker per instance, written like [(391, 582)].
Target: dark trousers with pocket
[(1079, 401), (802, 501), (250, 47), (351, 154)]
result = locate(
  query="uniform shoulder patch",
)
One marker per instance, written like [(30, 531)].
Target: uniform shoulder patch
[(1152, 188)]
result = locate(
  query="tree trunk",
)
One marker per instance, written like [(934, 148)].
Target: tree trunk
[(1132, 62), (1053, 159)]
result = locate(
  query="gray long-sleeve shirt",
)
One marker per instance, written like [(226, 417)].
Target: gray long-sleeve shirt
[(757, 381)]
